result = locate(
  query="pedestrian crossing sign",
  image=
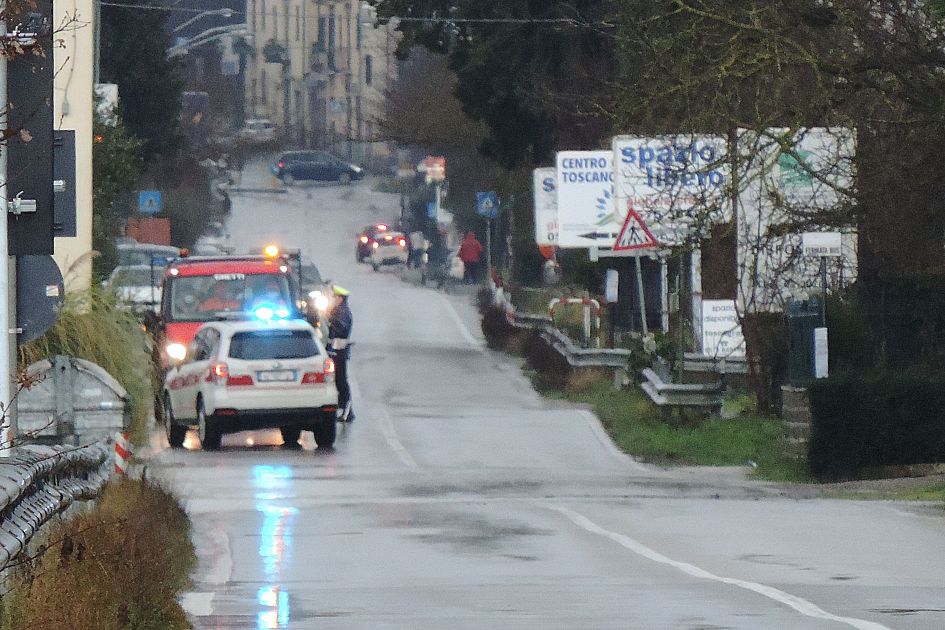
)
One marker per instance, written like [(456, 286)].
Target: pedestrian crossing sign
[(634, 234)]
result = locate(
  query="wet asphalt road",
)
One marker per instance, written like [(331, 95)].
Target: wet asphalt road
[(461, 499)]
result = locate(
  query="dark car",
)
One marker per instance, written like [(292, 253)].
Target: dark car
[(366, 239), (315, 165)]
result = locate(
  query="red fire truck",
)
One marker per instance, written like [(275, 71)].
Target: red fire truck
[(201, 289)]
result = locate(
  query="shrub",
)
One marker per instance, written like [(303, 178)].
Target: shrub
[(121, 565), (496, 328), (550, 369), (876, 420)]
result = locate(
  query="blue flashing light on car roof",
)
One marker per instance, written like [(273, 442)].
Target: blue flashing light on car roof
[(270, 313)]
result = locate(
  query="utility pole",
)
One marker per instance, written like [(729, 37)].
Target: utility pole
[(8, 427)]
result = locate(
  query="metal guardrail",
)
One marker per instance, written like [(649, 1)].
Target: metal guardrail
[(572, 353), (673, 395), (695, 362), (39, 482)]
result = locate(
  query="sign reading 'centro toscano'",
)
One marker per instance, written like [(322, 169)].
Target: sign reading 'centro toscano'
[(585, 181)]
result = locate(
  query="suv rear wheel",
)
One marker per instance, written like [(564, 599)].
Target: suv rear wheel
[(210, 434)]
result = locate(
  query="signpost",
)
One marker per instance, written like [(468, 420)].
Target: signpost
[(487, 206), (825, 245)]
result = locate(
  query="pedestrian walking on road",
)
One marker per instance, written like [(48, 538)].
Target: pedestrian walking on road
[(339, 349), (470, 250)]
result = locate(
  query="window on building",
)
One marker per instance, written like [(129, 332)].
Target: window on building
[(360, 33), (275, 23), (252, 15), (331, 32), (368, 69), (298, 23), (263, 96), (262, 11), (286, 21)]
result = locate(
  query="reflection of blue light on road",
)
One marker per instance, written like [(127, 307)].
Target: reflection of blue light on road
[(275, 543), (275, 604)]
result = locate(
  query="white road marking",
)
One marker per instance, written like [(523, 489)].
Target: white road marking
[(387, 428), (197, 604), (799, 604), (468, 336), (594, 423)]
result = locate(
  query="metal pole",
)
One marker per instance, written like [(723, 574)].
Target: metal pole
[(639, 267), (489, 248), (7, 345), (823, 291), (98, 42)]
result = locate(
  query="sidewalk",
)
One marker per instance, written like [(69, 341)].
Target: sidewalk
[(454, 287)]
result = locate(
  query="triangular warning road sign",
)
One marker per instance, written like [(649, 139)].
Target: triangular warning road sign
[(634, 234)]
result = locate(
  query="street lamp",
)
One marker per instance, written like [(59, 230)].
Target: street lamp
[(227, 13), (210, 35)]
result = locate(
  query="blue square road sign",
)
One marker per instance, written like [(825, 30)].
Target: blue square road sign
[(150, 202), (487, 204)]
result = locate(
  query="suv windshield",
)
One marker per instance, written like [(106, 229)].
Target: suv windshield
[(226, 295), (273, 344)]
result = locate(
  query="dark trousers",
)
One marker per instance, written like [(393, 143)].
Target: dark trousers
[(341, 381), (470, 272)]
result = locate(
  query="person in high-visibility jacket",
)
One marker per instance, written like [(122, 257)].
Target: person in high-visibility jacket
[(339, 349)]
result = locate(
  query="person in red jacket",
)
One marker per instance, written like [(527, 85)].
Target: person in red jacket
[(470, 250)]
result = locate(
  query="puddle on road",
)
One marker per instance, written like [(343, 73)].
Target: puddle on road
[(471, 533)]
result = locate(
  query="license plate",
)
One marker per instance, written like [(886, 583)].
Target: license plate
[(271, 376)]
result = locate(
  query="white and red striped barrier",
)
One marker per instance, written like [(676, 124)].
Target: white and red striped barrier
[(122, 453)]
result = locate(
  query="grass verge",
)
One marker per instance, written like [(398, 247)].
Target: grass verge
[(120, 565), (635, 425), (93, 327)]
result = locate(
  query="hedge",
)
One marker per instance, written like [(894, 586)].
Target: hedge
[(862, 421)]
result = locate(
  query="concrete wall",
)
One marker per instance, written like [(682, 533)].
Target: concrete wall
[(72, 106)]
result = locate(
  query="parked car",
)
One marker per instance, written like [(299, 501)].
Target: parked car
[(137, 286), (259, 130), (315, 165), (247, 375), (389, 248), (366, 239), (146, 254)]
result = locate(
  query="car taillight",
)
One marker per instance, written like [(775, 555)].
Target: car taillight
[(312, 378), (218, 373), (242, 380), (281, 164), (329, 366), (402, 242)]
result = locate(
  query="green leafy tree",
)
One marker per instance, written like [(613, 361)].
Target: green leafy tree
[(134, 47), (534, 72), (116, 165)]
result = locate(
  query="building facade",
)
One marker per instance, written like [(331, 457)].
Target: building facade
[(320, 72), (73, 105)]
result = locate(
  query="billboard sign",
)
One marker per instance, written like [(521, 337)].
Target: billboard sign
[(585, 182), (676, 184), (545, 193)]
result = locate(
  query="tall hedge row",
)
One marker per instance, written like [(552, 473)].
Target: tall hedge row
[(860, 421)]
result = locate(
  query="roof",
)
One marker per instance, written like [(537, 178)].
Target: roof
[(170, 249), (256, 325), (210, 265)]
